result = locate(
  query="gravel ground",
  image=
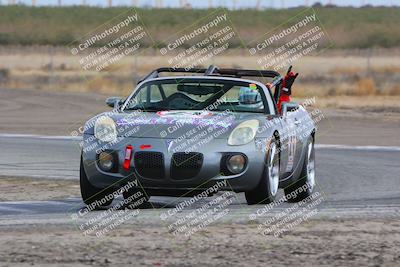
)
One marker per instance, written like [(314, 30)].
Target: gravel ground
[(315, 243), (21, 188)]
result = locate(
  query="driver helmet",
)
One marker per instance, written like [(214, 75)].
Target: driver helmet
[(250, 97)]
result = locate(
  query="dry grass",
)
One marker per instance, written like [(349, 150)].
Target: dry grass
[(342, 73), (370, 103), (346, 70), (362, 87), (352, 70), (100, 84), (365, 86), (395, 90)]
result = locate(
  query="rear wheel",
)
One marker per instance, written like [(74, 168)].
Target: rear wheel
[(266, 190), (304, 186), (91, 194)]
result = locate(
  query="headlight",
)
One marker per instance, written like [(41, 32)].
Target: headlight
[(105, 129), (243, 133)]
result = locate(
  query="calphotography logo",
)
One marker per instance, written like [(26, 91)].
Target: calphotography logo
[(283, 46), (199, 133), (198, 212), (110, 43), (200, 42), (99, 224)]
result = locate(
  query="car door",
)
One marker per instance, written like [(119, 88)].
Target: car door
[(291, 143)]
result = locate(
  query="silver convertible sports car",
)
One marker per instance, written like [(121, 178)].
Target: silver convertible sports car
[(183, 132)]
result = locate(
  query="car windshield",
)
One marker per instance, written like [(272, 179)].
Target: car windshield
[(198, 94)]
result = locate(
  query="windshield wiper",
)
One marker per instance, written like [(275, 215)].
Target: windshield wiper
[(150, 109)]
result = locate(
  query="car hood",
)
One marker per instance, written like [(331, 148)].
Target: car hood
[(177, 124)]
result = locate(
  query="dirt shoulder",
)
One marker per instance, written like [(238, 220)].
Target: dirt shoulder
[(358, 127), (315, 243), (46, 112), (347, 120), (33, 189)]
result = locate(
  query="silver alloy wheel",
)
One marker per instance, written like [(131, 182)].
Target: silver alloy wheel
[(273, 169), (310, 166)]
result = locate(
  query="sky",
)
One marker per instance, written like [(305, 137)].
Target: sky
[(215, 3)]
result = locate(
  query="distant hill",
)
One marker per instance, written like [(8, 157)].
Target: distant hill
[(348, 27)]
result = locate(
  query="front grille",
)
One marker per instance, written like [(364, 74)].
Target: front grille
[(150, 164), (186, 165)]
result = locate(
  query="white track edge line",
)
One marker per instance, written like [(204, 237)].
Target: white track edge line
[(318, 146)]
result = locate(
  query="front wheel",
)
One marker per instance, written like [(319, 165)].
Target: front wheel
[(91, 194), (266, 190), (304, 186)]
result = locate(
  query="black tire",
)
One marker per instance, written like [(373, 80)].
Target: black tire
[(136, 202), (301, 189), (89, 193), (263, 193)]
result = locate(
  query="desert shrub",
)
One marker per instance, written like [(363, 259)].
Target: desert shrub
[(341, 89), (365, 86), (4, 75), (101, 84), (395, 90)]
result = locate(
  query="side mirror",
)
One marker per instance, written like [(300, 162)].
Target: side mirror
[(289, 107), (114, 101)]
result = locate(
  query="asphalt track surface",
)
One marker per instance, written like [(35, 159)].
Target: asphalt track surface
[(353, 181)]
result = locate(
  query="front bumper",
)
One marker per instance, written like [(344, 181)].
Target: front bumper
[(209, 173)]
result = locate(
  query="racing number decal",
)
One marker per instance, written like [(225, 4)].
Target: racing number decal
[(292, 141)]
